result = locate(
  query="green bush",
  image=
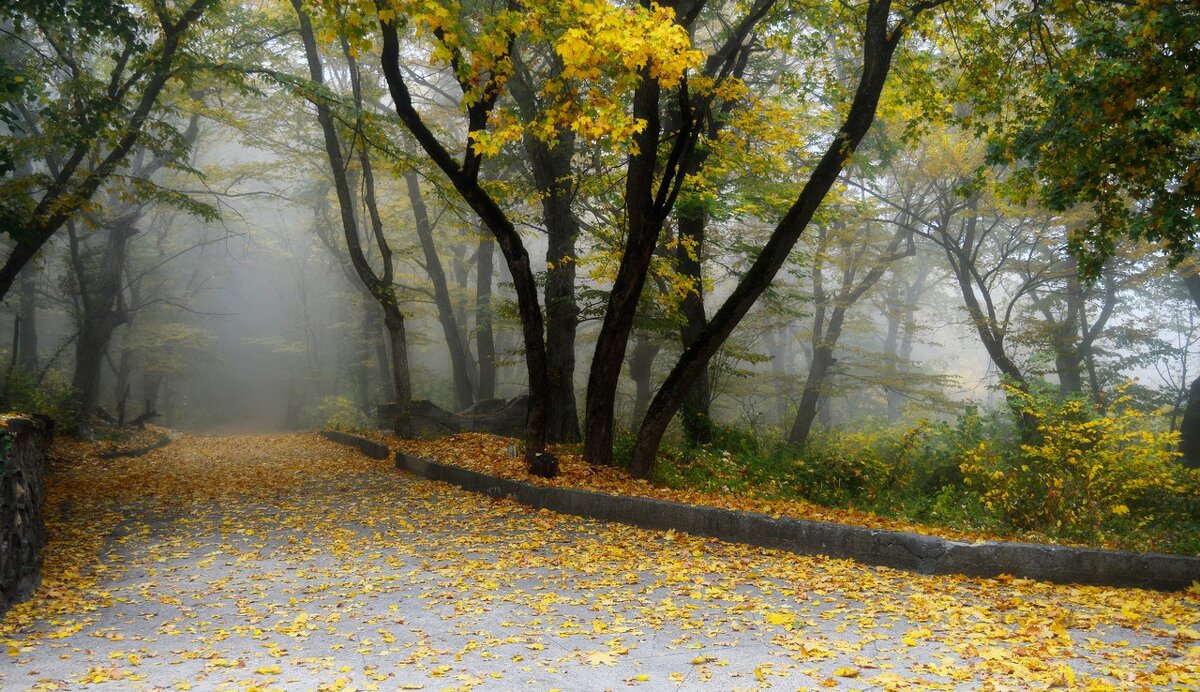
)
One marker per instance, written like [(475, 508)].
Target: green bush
[(52, 396)]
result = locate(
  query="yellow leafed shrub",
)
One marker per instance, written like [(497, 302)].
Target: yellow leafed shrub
[(1085, 473)]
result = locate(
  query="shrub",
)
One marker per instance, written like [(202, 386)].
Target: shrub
[(1086, 476), (838, 468), (340, 413), (52, 396)]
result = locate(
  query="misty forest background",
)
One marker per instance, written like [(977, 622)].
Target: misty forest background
[(933, 259)]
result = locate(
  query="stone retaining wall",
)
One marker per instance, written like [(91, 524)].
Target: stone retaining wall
[(23, 445)]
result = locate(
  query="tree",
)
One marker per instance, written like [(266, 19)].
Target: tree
[(654, 175), (860, 266), (480, 53), (550, 162), (380, 285), (1189, 426), (880, 39), (100, 281), (1114, 123), (101, 67)]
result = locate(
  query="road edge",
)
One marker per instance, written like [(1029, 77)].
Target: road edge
[(876, 547)]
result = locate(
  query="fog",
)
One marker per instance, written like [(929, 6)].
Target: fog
[(251, 324), (221, 295)]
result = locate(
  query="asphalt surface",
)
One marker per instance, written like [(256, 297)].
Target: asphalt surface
[(288, 563)]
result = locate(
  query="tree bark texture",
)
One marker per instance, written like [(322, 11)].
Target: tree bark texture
[(485, 338), (1189, 425), (643, 223), (550, 163), (464, 177), (460, 358), (381, 287), (879, 45)]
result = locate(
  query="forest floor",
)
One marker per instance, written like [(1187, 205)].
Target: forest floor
[(288, 562)]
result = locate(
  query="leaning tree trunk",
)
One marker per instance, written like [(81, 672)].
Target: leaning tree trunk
[(643, 222), (1189, 426), (814, 393), (879, 44), (464, 177), (381, 286), (697, 425)]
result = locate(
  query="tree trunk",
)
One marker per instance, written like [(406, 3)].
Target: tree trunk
[(1068, 347), (643, 222), (552, 174), (697, 424), (991, 333), (460, 359), (103, 310), (879, 45), (89, 355), (27, 346), (814, 393), (383, 363), (381, 286), (562, 315), (641, 364), (1189, 426), (464, 177), (485, 338), (393, 322)]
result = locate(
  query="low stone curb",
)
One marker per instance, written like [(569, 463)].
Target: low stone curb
[(906, 551), (371, 448)]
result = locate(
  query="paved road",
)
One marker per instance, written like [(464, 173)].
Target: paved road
[(291, 563)]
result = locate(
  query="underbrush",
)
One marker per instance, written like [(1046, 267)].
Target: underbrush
[(1108, 479)]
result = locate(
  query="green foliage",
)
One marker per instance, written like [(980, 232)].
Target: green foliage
[(52, 395), (340, 413), (734, 461), (1116, 128)]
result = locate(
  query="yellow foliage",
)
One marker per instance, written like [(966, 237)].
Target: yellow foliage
[(1082, 470)]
